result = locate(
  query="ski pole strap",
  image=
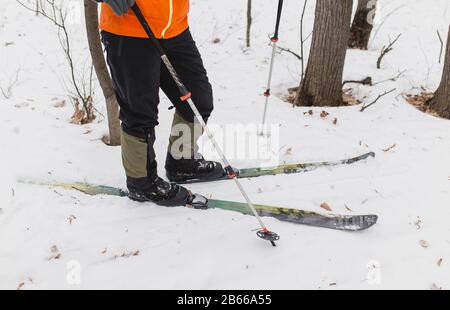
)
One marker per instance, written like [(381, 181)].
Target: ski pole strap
[(277, 26)]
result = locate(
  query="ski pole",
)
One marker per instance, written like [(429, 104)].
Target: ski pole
[(264, 233), (274, 41)]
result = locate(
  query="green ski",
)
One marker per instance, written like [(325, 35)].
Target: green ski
[(286, 168), (337, 222)]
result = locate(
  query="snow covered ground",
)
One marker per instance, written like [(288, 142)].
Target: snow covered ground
[(48, 235)]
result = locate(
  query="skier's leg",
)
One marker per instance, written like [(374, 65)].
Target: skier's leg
[(183, 159), (135, 69), (185, 56)]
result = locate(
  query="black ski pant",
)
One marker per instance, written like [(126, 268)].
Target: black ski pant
[(138, 73)]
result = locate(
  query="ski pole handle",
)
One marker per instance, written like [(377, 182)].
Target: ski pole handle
[(277, 26)]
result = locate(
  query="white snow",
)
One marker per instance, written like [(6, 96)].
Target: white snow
[(48, 235)]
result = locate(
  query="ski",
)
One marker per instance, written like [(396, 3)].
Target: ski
[(286, 169), (336, 222)]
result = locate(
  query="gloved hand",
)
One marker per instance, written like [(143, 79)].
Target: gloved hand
[(119, 7)]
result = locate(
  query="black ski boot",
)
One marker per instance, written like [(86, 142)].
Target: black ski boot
[(168, 195), (143, 183), (193, 170)]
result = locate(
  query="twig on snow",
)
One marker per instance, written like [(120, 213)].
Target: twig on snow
[(7, 91), (393, 79), (376, 100), (282, 49), (366, 81), (390, 148), (385, 50)]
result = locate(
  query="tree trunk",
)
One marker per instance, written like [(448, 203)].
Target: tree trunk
[(322, 85), (362, 24), (95, 47), (441, 100), (249, 22)]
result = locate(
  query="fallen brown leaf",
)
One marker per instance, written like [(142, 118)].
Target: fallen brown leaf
[(20, 286), (424, 244), (71, 218), (326, 206), (83, 115), (349, 98), (324, 114), (439, 263)]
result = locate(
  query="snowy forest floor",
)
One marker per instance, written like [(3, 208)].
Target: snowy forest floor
[(46, 234)]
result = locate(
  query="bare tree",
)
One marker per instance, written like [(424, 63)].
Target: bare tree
[(441, 100), (81, 90), (362, 24), (322, 85), (95, 47)]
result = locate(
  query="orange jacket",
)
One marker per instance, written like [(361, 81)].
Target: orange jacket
[(167, 18)]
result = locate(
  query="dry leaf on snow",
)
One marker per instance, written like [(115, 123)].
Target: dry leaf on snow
[(324, 114), (349, 98), (326, 206), (424, 244)]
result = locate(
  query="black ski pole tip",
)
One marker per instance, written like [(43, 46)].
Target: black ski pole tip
[(269, 236)]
